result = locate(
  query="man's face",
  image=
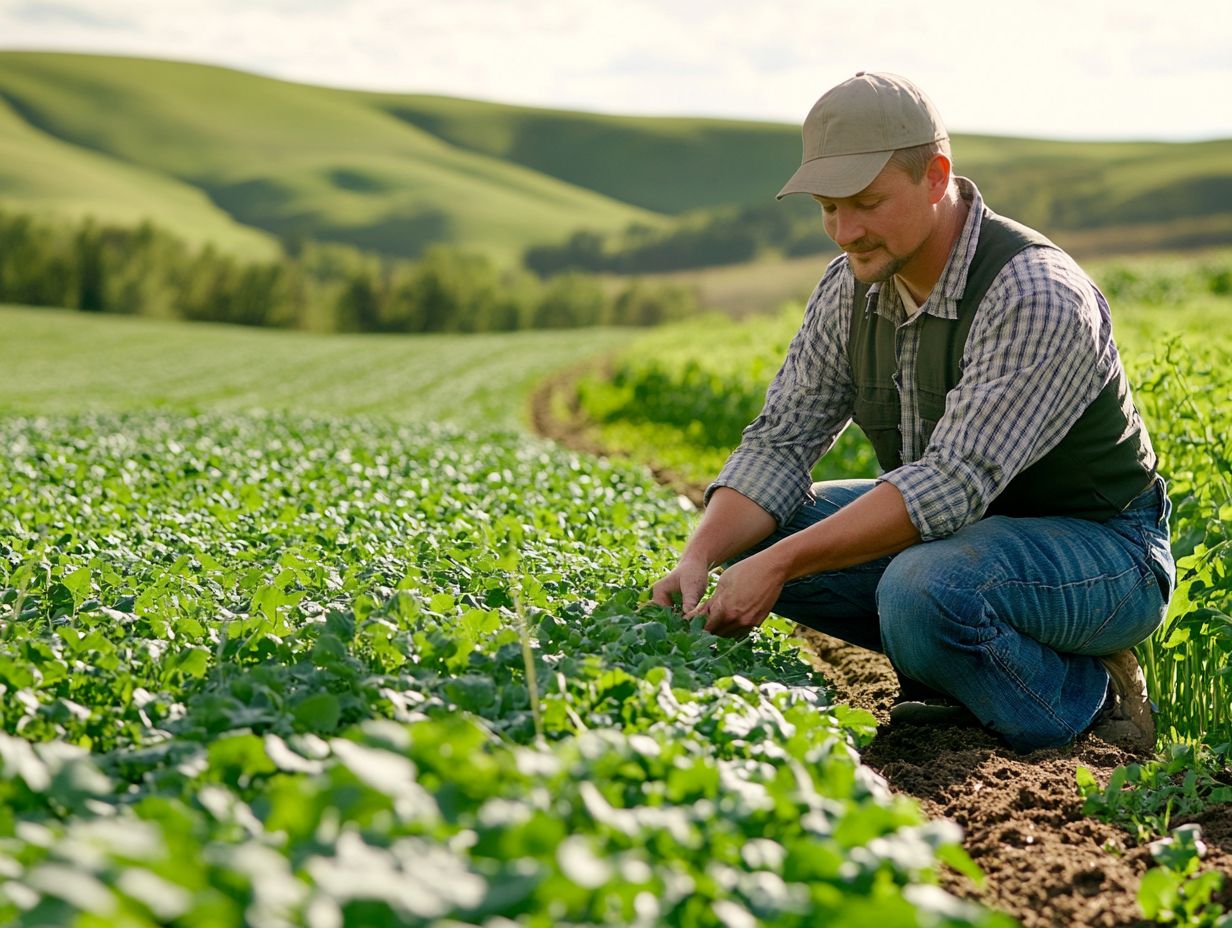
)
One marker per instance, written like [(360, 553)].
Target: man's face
[(883, 226)]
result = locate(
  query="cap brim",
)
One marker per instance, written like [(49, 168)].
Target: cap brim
[(837, 175)]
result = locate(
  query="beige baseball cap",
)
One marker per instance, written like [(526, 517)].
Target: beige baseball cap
[(851, 132)]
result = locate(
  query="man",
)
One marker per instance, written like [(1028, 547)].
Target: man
[(1015, 547)]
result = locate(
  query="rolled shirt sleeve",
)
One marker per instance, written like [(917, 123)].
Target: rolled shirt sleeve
[(808, 404), (1038, 353)]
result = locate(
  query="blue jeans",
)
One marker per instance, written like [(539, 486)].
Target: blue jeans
[(1007, 616)]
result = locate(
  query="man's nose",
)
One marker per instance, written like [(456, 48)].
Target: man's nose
[(845, 228)]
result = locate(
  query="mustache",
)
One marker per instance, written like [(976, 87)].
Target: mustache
[(864, 244)]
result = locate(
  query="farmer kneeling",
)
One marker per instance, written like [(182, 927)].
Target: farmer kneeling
[(1016, 546)]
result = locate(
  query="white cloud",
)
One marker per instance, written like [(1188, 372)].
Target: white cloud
[(1076, 68)]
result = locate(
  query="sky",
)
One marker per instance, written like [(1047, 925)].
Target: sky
[(1096, 69)]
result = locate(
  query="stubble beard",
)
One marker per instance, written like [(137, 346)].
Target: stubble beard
[(878, 273)]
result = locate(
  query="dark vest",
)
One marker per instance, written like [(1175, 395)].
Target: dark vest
[(1102, 463)]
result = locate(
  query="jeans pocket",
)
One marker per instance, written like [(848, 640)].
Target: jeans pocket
[(1136, 617), (1159, 557), (1157, 542), (1147, 529)]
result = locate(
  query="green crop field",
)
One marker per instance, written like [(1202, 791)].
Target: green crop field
[(240, 160), (308, 666), (58, 361)]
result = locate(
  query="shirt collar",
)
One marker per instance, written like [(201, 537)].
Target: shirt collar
[(943, 301), (953, 280)]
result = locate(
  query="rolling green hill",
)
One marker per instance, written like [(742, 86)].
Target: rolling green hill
[(242, 160), (40, 173), (1117, 194), (662, 164), (1125, 193), (293, 160)]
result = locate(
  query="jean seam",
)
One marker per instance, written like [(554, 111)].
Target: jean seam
[(1010, 583), (1148, 549), (1009, 672), (1143, 579), (1085, 581), (813, 577), (988, 646)]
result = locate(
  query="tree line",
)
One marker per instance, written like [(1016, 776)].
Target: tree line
[(145, 270)]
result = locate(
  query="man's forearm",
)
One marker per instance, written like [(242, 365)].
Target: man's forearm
[(872, 526), (733, 523)]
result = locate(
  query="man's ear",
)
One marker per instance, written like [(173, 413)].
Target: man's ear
[(937, 176)]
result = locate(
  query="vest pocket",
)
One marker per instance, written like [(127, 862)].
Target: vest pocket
[(876, 412), (931, 407)]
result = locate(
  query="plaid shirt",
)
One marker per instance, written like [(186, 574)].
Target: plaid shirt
[(1039, 351)]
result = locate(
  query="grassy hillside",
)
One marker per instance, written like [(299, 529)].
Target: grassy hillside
[(42, 174), (59, 361), (1120, 195), (663, 164), (294, 160), (396, 172), (1111, 195)]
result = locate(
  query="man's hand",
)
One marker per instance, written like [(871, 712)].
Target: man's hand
[(732, 523), (688, 582), (743, 597)]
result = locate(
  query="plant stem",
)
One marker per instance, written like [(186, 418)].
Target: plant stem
[(528, 659)]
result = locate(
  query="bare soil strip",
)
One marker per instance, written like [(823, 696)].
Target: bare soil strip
[(1046, 864)]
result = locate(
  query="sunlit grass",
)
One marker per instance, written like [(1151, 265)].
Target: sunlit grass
[(58, 361)]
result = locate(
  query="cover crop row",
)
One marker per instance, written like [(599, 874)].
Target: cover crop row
[(267, 671)]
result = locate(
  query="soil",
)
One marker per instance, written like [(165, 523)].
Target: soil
[(1045, 863)]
